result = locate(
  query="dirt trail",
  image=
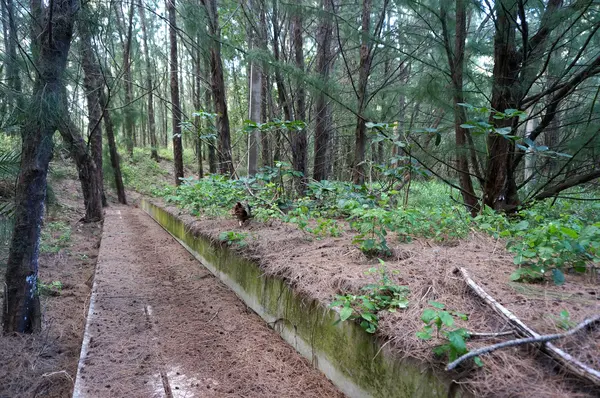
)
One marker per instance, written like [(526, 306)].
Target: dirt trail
[(161, 325)]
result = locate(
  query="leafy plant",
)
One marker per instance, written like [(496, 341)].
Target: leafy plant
[(56, 235), (381, 296), (553, 246), (372, 225), (233, 238), (53, 288), (439, 323), (563, 320)]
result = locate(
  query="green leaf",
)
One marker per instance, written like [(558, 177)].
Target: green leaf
[(428, 315), (446, 318), (457, 341), (558, 277), (345, 313), (437, 305), (478, 361), (423, 335)]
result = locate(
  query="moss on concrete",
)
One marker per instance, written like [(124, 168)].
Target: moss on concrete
[(350, 357)]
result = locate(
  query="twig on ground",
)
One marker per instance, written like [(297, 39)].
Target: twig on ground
[(572, 364), (60, 372), (491, 334), (214, 316), (528, 340)]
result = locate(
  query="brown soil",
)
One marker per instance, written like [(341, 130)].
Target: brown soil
[(322, 268), (161, 322), (45, 364)]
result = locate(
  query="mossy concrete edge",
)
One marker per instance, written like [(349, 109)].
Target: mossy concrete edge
[(356, 362)]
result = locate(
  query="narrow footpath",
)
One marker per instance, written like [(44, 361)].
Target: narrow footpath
[(160, 325)]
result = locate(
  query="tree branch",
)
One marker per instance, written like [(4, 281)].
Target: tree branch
[(555, 190)]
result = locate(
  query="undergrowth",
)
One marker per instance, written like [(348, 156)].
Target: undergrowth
[(547, 240)]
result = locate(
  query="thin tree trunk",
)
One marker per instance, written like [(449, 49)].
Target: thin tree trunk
[(198, 106), (264, 137), (456, 62), (45, 110), (321, 108), (112, 148), (298, 139), (364, 69), (14, 95), (254, 102), (129, 134), (175, 105), (212, 153), (218, 90), (149, 87)]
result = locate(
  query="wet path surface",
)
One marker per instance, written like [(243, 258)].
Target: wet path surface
[(160, 325)]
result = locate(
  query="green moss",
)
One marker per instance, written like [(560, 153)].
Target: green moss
[(360, 364)]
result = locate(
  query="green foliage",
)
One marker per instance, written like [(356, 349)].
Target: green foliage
[(143, 174), (372, 226), (56, 235), (232, 238), (563, 320), (440, 321), (383, 295), (53, 288)]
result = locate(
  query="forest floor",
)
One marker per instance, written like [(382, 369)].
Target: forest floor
[(322, 268), (45, 364), (326, 266)]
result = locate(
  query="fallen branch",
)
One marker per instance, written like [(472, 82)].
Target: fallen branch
[(491, 334), (572, 364), (528, 340)]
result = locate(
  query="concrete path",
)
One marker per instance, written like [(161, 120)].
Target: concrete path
[(160, 325)]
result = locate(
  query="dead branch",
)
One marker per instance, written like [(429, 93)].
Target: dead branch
[(528, 340), (571, 364), (491, 334)]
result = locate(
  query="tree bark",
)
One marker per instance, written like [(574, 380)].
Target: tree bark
[(325, 31), (45, 110), (92, 84), (14, 95), (112, 147), (299, 139), (149, 87), (175, 104), (364, 69), (499, 189), (255, 101), (218, 89), (456, 57), (128, 124)]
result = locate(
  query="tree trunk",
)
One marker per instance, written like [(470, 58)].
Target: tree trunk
[(175, 105), (45, 110), (254, 102), (128, 84), (321, 108), (149, 87), (92, 84), (112, 147), (264, 136), (456, 63), (218, 89), (198, 106), (499, 190), (364, 69), (14, 95), (298, 139)]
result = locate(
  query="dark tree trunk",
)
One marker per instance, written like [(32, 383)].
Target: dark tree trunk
[(264, 136), (175, 105), (45, 110), (255, 100), (129, 138), (499, 190), (198, 106), (92, 84), (456, 62), (218, 89), (321, 108), (112, 147), (149, 87), (212, 153), (298, 139), (14, 95), (364, 69), (86, 167)]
